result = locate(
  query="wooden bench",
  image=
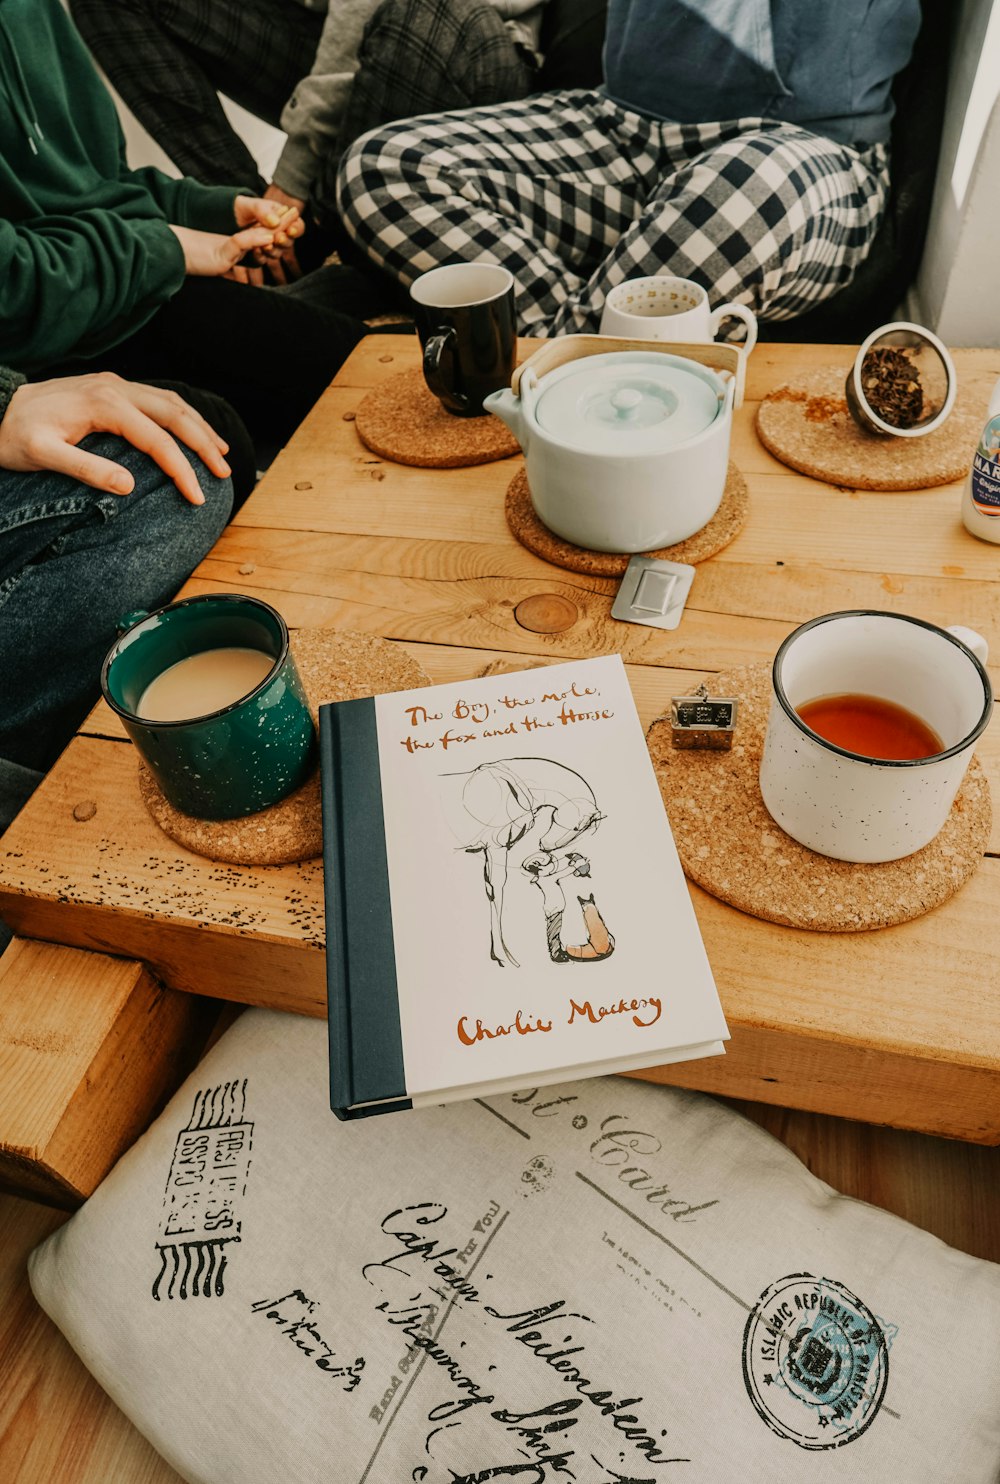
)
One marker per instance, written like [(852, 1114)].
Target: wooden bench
[(90, 1047)]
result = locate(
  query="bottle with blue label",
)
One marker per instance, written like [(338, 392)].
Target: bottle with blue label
[(981, 500)]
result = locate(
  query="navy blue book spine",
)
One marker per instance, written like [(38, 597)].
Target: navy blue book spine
[(366, 1046)]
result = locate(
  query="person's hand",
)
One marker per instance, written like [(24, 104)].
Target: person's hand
[(262, 211), (45, 421), (284, 200), (283, 214), (210, 255)]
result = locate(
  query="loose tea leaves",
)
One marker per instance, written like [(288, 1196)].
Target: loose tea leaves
[(891, 385)]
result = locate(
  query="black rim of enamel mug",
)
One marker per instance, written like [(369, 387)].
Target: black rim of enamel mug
[(860, 757), (186, 721)]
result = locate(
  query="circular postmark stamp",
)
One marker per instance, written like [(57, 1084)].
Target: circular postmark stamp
[(815, 1361), (537, 1175)]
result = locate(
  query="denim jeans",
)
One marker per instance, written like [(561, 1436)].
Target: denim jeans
[(73, 560)]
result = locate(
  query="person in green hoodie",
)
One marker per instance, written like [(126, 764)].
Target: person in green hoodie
[(104, 267)]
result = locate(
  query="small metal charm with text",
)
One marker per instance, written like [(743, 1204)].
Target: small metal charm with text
[(702, 720)]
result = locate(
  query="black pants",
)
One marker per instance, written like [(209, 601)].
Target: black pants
[(268, 353), (168, 58)]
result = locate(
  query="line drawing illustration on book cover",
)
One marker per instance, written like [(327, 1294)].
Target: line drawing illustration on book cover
[(532, 837), (506, 801)]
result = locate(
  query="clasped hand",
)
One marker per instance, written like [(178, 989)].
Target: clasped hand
[(266, 232)]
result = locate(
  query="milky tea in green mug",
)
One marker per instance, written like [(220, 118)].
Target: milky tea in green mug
[(247, 739)]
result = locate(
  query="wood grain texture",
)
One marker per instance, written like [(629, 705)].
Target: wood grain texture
[(89, 1048), (895, 1020), (56, 1424), (334, 537), (255, 935)]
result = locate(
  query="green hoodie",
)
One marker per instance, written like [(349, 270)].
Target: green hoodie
[(86, 253)]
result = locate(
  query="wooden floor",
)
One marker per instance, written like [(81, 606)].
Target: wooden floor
[(58, 1427)]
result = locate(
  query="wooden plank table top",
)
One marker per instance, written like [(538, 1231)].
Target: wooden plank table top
[(900, 1026), (426, 559)]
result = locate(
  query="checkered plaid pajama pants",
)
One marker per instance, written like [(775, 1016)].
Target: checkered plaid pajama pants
[(574, 194)]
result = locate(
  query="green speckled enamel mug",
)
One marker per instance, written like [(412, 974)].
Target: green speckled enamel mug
[(234, 758)]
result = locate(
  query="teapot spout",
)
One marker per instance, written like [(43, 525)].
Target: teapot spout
[(507, 407)]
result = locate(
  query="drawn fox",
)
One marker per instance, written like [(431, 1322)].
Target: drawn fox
[(505, 800)]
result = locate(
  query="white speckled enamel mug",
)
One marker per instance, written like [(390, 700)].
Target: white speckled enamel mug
[(844, 804), (663, 308)]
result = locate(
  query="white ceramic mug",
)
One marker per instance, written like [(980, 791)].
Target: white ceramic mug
[(663, 308), (843, 804)]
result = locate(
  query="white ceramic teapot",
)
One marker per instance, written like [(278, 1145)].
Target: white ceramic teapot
[(626, 449)]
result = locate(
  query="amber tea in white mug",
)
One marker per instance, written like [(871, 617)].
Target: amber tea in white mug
[(831, 793)]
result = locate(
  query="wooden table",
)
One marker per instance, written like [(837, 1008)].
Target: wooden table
[(900, 1026), (337, 537)]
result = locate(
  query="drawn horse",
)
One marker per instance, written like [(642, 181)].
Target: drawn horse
[(506, 801)]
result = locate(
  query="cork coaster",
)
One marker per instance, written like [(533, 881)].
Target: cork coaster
[(730, 845), (403, 421), (725, 526), (334, 667), (808, 427)]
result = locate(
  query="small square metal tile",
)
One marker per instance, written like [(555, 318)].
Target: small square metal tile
[(653, 592)]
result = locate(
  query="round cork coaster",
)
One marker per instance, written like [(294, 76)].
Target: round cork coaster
[(725, 526), (808, 427), (334, 667), (730, 845), (403, 421)]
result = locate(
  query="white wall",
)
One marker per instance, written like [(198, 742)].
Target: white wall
[(958, 287)]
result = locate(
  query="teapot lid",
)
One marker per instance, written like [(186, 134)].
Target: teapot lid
[(628, 402)]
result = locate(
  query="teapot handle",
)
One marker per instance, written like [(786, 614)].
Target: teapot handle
[(528, 392), (562, 348)]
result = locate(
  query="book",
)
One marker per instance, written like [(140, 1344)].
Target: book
[(505, 907)]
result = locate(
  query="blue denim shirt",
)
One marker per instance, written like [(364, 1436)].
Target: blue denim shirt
[(825, 64)]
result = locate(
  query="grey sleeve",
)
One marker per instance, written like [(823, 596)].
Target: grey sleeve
[(312, 116), (313, 113), (523, 19)]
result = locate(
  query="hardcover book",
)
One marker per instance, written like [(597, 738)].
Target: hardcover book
[(505, 907)]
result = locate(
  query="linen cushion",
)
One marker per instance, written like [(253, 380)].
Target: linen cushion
[(607, 1281)]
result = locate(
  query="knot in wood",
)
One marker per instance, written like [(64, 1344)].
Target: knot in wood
[(547, 613)]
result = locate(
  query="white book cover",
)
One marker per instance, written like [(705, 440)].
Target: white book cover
[(539, 920)]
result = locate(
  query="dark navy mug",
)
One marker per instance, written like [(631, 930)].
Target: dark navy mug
[(465, 320)]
